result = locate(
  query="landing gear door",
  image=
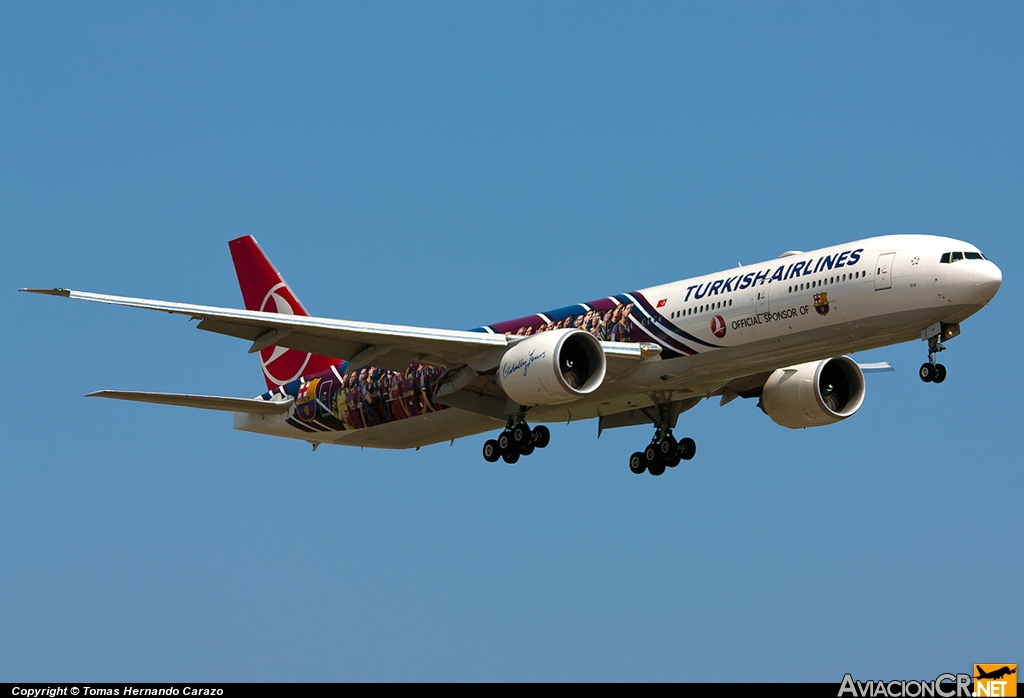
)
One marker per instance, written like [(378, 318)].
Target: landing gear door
[(883, 271)]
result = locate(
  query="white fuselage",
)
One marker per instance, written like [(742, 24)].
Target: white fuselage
[(745, 321)]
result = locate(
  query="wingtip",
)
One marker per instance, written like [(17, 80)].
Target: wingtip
[(66, 292)]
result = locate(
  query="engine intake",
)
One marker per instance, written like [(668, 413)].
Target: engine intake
[(815, 393), (552, 367)]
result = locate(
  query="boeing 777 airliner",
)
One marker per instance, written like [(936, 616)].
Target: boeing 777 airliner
[(778, 331)]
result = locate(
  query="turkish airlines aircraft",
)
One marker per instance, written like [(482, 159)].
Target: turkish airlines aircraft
[(777, 331)]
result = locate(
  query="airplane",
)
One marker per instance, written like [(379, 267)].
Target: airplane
[(996, 674), (779, 331)]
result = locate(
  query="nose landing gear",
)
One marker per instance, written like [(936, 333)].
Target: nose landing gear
[(932, 372)]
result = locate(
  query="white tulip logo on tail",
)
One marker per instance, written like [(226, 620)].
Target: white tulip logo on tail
[(280, 364)]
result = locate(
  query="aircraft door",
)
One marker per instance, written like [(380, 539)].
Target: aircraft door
[(761, 302), (883, 271)]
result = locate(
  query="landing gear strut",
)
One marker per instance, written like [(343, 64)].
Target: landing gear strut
[(932, 372), (663, 451), (518, 439)]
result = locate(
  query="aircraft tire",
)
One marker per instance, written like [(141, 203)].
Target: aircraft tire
[(927, 372), (491, 451), (657, 469), (940, 373), (510, 457), (527, 450), (687, 448), (652, 456), (505, 443), (541, 436), (636, 463), (521, 436), (667, 447)]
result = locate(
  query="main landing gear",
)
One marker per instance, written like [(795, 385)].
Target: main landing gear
[(932, 372), (518, 439), (663, 451), (661, 454)]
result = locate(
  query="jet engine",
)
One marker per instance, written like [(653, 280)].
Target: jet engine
[(814, 394), (552, 367)]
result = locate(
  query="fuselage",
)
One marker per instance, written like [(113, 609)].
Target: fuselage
[(712, 329)]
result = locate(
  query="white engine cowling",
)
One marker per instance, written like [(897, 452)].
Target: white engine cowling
[(552, 367), (814, 394)]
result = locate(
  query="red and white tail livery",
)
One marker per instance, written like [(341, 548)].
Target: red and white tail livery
[(265, 290)]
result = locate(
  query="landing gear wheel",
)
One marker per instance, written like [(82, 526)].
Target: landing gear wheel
[(673, 460), (491, 451), (687, 448), (940, 373), (652, 456), (667, 447), (928, 372), (510, 457), (636, 463), (657, 469), (505, 443), (520, 435), (528, 449), (541, 436)]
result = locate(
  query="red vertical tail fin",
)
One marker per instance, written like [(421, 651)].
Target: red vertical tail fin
[(263, 289)]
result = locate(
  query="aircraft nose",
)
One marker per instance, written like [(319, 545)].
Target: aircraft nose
[(987, 279)]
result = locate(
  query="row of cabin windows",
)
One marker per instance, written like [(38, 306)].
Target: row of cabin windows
[(950, 257), (697, 309), (828, 281)]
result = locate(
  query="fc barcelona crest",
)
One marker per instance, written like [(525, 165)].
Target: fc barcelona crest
[(821, 303), (305, 402)]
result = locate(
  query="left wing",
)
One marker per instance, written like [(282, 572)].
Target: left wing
[(387, 346), (398, 345)]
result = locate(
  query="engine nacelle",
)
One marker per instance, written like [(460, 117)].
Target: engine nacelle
[(552, 367), (814, 394)]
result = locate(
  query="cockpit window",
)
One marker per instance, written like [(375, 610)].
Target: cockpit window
[(950, 257)]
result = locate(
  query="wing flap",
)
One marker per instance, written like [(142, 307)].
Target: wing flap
[(204, 402)]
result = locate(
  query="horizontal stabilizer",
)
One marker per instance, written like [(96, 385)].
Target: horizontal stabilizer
[(880, 367), (205, 402)]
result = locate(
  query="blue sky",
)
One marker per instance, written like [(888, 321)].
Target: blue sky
[(453, 165)]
